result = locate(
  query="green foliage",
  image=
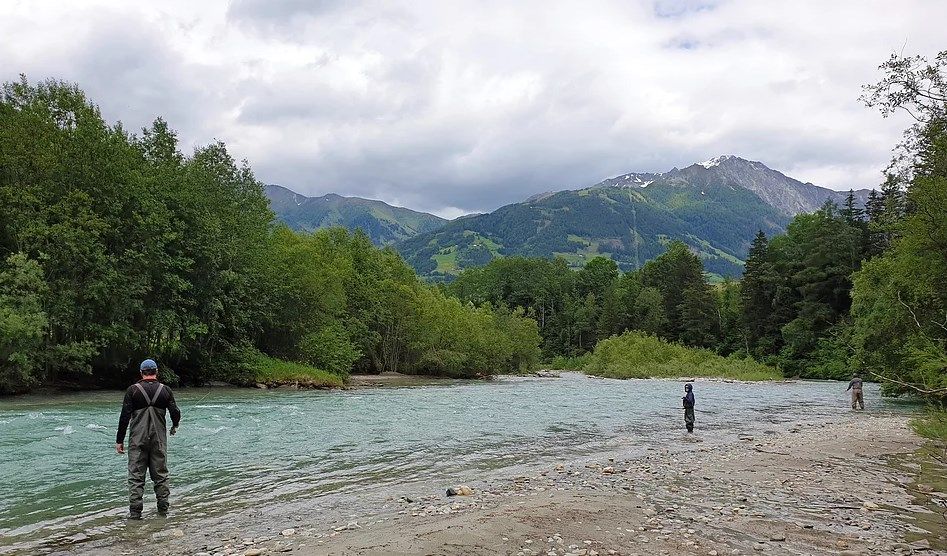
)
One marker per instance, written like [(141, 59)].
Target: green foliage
[(796, 293), (144, 251), (576, 363), (330, 348), (899, 307), (456, 339), (22, 323), (116, 247), (577, 309), (689, 305), (635, 355), (245, 365)]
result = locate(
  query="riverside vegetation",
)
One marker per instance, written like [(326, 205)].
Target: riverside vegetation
[(116, 246)]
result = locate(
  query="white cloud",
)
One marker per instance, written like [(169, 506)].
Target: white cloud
[(452, 106)]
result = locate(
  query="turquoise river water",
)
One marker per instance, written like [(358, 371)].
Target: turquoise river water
[(283, 453)]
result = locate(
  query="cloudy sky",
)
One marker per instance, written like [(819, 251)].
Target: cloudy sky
[(452, 107)]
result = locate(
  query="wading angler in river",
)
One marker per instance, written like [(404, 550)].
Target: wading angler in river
[(858, 399), (144, 410), (689, 407)]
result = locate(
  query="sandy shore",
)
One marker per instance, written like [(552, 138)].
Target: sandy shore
[(839, 488)]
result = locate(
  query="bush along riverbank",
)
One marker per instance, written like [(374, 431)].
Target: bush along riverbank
[(636, 355), (260, 370)]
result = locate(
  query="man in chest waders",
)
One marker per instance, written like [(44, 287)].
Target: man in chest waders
[(144, 409), (858, 399), (689, 407)]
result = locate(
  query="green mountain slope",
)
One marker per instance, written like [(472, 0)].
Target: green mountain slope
[(383, 223), (628, 224)]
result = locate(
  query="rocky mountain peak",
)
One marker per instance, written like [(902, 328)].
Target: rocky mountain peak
[(787, 195)]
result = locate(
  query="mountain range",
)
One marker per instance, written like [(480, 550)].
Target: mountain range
[(384, 224), (716, 207)]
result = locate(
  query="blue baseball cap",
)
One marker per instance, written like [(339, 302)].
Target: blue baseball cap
[(148, 365)]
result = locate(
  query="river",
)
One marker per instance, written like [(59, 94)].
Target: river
[(251, 454)]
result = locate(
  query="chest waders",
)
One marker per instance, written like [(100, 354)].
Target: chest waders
[(689, 418), (147, 451)]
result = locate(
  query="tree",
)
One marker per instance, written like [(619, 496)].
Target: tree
[(899, 309), (22, 324), (758, 295), (673, 273), (852, 212), (733, 334)]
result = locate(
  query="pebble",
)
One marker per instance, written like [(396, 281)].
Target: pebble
[(288, 532), (253, 552)]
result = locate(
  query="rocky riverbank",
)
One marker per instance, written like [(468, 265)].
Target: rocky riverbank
[(838, 488)]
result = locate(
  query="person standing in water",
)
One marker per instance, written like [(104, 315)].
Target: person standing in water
[(689, 407), (856, 387), (144, 409)]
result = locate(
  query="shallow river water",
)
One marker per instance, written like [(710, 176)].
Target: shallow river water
[(288, 452)]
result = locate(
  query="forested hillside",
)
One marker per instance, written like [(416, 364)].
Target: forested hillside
[(628, 225), (714, 207), (116, 246), (381, 222)]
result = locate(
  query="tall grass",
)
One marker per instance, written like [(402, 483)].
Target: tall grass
[(246, 366), (932, 425), (636, 355)]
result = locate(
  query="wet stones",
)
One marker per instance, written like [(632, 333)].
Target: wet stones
[(460, 490)]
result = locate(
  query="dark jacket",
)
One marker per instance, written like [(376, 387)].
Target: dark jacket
[(135, 401), (689, 399)]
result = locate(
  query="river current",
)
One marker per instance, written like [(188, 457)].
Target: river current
[(282, 453)]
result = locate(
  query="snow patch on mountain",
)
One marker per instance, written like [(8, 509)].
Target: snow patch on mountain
[(715, 161)]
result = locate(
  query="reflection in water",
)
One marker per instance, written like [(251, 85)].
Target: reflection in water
[(240, 449)]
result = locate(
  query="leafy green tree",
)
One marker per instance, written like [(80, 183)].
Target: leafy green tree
[(22, 324), (733, 333), (699, 322), (673, 273), (899, 309), (649, 311)]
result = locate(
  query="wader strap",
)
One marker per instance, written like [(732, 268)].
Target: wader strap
[(148, 399)]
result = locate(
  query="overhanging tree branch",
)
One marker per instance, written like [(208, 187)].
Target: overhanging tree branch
[(915, 387)]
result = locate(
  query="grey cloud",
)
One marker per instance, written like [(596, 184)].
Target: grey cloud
[(279, 13), (473, 105)]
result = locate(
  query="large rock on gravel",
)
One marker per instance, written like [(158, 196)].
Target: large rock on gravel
[(460, 490)]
